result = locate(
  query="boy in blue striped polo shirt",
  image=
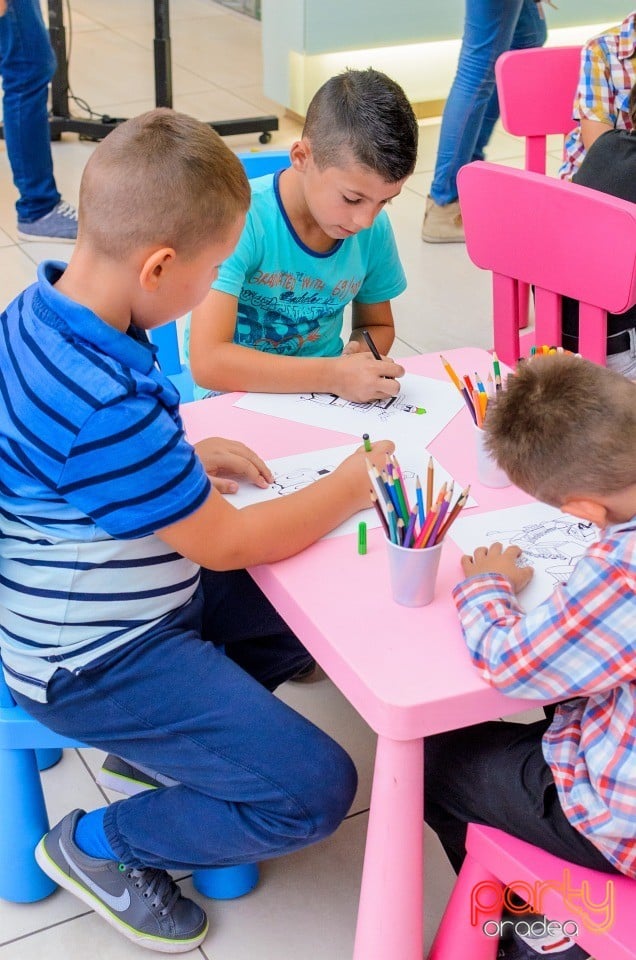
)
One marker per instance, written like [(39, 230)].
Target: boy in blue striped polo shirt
[(110, 632)]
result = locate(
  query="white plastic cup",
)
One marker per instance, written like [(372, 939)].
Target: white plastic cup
[(413, 573), (488, 473)]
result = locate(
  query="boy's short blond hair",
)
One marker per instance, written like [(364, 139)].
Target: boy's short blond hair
[(160, 179), (564, 426)]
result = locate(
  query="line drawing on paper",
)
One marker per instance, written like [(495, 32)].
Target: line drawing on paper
[(562, 540), (385, 408)]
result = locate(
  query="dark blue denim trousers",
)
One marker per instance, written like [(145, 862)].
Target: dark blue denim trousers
[(27, 66), (491, 27), (495, 774), (191, 699)]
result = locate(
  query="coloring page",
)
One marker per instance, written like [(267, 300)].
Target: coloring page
[(297, 471), (412, 419), (552, 542)]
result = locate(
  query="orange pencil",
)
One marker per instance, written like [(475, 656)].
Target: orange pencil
[(451, 373), (478, 408)]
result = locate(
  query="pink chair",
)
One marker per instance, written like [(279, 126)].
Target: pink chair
[(563, 238), (536, 90), (595, 909)]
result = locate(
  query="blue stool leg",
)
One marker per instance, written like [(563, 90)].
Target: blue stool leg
[(226, 883), (48, 757), (23, 822)]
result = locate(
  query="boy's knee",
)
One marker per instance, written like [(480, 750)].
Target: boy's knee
[(332, 792)]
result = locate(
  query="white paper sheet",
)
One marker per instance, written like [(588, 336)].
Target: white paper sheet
[(297, 471), (421, 411), (552, 542)]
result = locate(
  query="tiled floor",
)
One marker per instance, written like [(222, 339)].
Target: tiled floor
[(305, 905)]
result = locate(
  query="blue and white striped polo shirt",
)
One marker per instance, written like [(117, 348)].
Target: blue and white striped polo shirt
[(94, 460)]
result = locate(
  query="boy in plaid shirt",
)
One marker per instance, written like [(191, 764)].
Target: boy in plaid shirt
[(608, 71), (564, 430)]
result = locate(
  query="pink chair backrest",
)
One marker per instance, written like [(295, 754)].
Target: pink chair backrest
[(536, 90), (563, 238)]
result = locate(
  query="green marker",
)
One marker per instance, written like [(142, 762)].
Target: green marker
[(367, 442), (362, 538)]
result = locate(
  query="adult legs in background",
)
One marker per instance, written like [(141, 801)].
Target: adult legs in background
[(491, 27), (27, 65)]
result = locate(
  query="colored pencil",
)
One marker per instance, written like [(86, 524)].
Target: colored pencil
[(400, 478), (452, 515), (367, 442), (410, 529), (497, 370), (390, 512), (377, 483), (420, 499), (439, 520), (451, 373), (430, 479), (380, 512)]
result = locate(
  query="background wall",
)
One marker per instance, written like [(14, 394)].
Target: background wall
[(414, 41)]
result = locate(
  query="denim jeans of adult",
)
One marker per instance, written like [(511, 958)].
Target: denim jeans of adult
[(491, 27), (27, 65), (495, 774), (256, 779)]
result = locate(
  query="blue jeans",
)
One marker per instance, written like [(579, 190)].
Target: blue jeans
[(27, 65), (257, 780), (495, 774), (491, 27)]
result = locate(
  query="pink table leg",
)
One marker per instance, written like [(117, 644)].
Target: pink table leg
[(390, 911)]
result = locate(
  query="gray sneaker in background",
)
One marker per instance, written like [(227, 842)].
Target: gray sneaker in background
[(60, 225), (117, 774), (145, 905)]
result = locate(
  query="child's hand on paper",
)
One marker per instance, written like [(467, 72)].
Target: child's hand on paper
[(360, 378), (494, 559), (224, 460)]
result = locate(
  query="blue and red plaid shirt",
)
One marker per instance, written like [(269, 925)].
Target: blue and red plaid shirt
[(579, 645)]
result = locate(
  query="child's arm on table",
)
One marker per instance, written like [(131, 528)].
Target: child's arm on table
[(377, 319), (220, 364), (220, 537), (577, 641)]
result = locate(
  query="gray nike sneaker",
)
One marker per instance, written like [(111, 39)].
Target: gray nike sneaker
[(145, 905), (117, 774)]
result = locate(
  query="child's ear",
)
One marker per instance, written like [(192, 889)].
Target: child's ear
[(154, 268), (585, 509), (300, 154)]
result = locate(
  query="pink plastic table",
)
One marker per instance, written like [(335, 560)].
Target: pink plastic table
[(405, 670)]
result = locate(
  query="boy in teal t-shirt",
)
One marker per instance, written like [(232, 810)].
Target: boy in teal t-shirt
[(316, 239)]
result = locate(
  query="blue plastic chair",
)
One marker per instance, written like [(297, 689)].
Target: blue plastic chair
[(26, 747), (166, 338)]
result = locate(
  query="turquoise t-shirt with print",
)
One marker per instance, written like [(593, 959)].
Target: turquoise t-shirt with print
[(291, 299)]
